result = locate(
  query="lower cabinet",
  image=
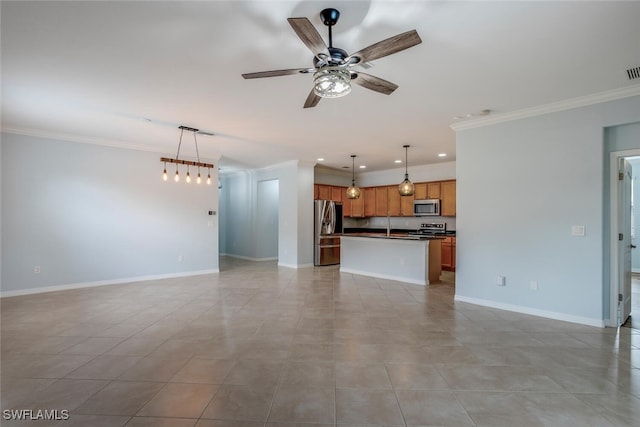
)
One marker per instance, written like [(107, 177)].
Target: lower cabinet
[(449, 254)]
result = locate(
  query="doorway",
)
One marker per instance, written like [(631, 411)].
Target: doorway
[(267, 220), (624, 232)]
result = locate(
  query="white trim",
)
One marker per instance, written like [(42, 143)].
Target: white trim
[(38, 133), (599, 323), (294, 266), (384, 276), (569, 104), (30, 291), (251, 258)]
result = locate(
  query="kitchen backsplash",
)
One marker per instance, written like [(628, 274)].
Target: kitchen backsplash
[(406, 223)]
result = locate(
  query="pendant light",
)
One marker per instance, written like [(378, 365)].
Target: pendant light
[(353, 192), (406, 187), (178, 161)]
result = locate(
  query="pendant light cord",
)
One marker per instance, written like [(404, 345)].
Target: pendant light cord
[(196, 141), (406, 161), (353, 168), (180, 143)]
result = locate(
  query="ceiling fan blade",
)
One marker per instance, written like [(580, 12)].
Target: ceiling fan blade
[(309, 36), (375, 83), (389, 46), (312, 100), (276, 73)]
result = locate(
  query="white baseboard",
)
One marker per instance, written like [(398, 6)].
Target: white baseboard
[(251, 258), (284, 264), (384, 276), (598, 323), (30, 291), (280, 264)]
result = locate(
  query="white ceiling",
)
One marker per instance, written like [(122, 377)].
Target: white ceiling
[(129, 73)]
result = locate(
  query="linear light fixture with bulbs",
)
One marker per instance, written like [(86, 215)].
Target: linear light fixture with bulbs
[(177, 161)]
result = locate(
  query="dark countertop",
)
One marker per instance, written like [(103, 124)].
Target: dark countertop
[(394, 236), (397, 231)]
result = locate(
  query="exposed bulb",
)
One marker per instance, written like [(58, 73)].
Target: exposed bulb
[(188, 177), (198, 179), (164, 175), (176, 178), (208, 179)]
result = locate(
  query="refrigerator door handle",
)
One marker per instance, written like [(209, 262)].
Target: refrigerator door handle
[(333, 217)]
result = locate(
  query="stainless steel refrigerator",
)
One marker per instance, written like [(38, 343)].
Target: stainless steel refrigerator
[(327, 231)]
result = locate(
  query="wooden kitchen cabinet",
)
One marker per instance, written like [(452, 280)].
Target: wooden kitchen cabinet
[(346, 207), (406, 205), (369, 195), (337, 193), (433, 190), (357, 206), (382, 201), (393, 200), (448, 198), (324, 192), (420, 191), (449, 254)]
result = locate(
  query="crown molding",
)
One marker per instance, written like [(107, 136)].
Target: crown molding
[(569, 104), (38, 133)]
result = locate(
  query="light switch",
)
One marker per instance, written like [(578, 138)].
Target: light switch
[(578, 230)]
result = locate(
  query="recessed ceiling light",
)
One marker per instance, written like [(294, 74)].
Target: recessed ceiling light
[(321, 159), (442, 155), (397, 161), (363, 166)]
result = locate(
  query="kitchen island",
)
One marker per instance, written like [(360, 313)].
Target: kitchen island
[(404, 258)]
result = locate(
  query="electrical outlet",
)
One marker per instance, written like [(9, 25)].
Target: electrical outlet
[(36, 269), (533, 285), (501, 281)]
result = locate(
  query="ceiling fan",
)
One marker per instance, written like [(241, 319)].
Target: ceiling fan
[(333, 67)]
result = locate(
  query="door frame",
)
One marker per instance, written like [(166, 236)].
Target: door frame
[(614, 259)]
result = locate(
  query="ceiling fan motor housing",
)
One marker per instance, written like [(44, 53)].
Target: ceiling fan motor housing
[(329, 16)]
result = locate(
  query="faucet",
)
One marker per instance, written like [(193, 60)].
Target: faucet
[(388, 223)]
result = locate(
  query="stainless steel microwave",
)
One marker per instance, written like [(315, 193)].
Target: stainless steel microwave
[(426, 207)]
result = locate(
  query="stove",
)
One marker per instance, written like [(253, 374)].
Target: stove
[(431, 229)]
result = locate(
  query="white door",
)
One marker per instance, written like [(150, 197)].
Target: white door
[(624, 244)]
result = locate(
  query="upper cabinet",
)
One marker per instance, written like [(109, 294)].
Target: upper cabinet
[(386, 200), (406, 205), (338, 193), (324, 192), (329, 192), (357, 206), (420, 191), (448, 198), (382, 201), (369, 195), (393, 200), (433, 190)]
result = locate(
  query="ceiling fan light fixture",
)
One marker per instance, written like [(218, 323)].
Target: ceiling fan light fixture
[(332, 82)]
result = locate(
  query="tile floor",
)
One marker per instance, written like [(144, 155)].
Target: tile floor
[(256, 345)]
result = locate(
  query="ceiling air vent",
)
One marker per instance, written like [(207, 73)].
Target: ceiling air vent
[(633, 73)]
